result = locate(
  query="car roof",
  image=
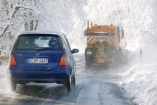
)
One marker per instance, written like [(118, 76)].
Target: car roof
[(41, 33)]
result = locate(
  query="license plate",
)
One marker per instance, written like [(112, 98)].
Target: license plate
[(103, 38), (89, 52), (38, 60)]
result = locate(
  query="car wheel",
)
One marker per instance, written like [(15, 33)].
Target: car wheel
[(67, 84), (23, 89), (13, 86), (74, 80)]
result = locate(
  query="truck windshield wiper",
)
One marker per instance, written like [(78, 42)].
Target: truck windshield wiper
[(45, 49)]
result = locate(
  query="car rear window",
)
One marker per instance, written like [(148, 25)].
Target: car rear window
[(31, 42)]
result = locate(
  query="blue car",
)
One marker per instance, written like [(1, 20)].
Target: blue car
[(42, 58)]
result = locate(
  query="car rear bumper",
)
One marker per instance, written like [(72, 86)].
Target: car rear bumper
[(58, 75)]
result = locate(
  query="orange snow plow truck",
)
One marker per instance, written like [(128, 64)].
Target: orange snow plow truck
[(103, 45)]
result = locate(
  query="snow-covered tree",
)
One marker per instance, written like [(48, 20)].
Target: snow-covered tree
[(15, 15), (28, 15)]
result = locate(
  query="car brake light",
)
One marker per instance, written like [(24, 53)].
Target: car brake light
[(12, 60), (63, 60)]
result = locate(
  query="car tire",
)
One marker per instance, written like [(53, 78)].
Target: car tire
[(13, 86), (23, 88), (67, 84), (74, 80)]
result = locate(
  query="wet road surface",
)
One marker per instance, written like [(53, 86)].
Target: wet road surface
[(94, 86)]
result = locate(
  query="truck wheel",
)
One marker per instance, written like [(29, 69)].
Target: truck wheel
[(116, 61), (87, 63), (67, 84)]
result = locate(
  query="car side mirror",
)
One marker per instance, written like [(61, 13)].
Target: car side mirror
[(74, 51)]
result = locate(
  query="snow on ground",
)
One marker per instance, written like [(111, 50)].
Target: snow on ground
[(4, 86), (139, 77), (139, 80)]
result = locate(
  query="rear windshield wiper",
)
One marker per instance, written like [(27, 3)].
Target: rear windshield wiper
[(45, 49)]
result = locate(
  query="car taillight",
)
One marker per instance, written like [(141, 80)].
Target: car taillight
[(63, 60), (12, 60)]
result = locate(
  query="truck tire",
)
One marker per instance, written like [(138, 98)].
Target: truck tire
[(116, 60), (90, 61), (87, 63)]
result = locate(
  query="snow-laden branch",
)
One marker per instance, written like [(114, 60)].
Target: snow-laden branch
[(17, 8)]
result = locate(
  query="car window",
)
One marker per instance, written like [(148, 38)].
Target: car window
[(38, 42), (67, 42)]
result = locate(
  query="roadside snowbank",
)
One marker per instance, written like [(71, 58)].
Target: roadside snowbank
[(4, 84), (139, 80)]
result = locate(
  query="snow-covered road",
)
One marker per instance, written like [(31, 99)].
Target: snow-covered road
[(94, 86)]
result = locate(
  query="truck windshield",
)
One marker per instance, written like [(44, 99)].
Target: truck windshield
[(31, 42)]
